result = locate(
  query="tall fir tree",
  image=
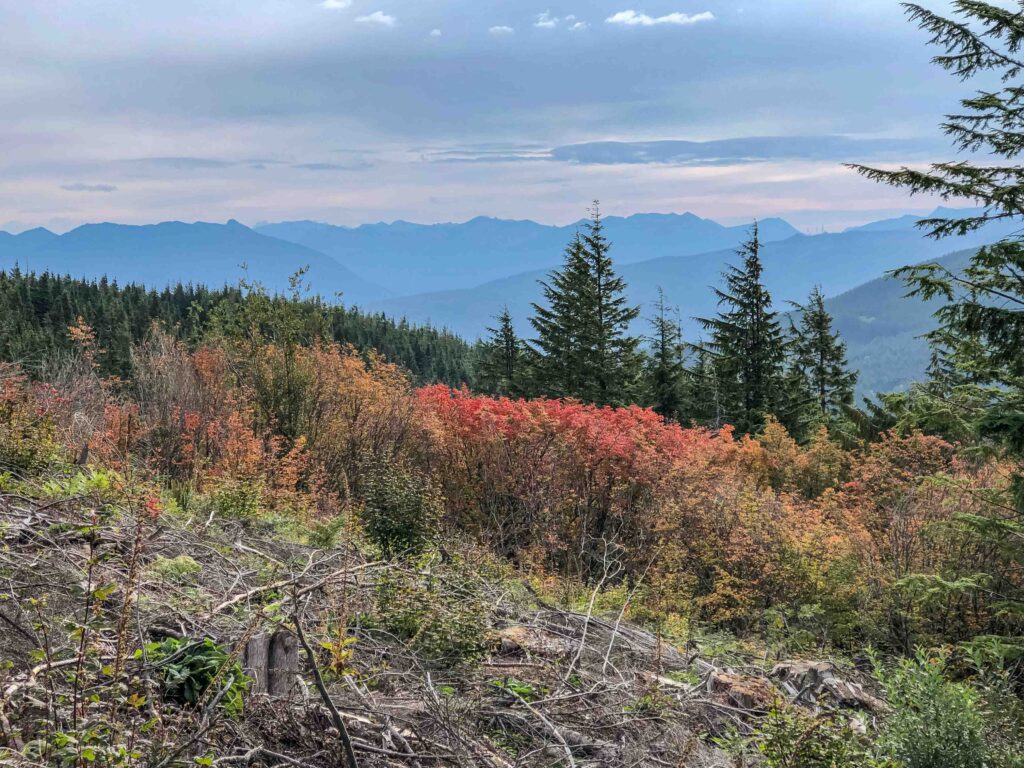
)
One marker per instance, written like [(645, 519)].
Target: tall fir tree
[(583, 342), (701, 390), (979, 352), (819, 356), (665, 363), (502, 359), (748, 343), (559, 359)]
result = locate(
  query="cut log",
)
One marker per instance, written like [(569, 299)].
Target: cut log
[(742, 691)]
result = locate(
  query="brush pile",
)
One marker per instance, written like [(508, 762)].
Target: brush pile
[(132, 637)]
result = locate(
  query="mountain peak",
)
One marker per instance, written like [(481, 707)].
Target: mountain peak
[(37, 235)]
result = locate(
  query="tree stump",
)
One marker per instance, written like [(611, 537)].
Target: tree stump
[(272, 663), (283, 668), (257, 662)]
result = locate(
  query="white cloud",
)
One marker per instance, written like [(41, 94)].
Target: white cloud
[(435, 33), (501, 30), (578, 26), (377, 17), (336, 5), (546, 20), (634, 19), (78, 187)]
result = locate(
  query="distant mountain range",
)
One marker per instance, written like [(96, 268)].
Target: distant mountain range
[(160, 254), (418, 258), (460, 275)]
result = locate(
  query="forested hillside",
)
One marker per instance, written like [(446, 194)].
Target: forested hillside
[(39, 310), (885, 332)]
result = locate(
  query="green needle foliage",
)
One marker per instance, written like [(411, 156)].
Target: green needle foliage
[(583, 345), (665, 364), (747, 342), (979, 344), (502, 360), (819, 360)]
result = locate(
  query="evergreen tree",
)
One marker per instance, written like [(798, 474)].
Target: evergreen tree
[(616, 361), (665, 369), (584, 350), (748, 343), (978, 342), (819, 357), (701, 390), (560, 354), (501, 359)]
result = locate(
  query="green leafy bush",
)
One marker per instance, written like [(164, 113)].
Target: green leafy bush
[(934, 723), (188, 669), (794, 738), (238, 500), (176, 570), (401, 509), (442, 617)]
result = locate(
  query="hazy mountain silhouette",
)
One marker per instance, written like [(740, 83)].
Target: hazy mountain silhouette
[(414, 258), (159, 254)]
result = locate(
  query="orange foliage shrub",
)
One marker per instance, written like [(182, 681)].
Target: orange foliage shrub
[(546, 473), (718, 528)]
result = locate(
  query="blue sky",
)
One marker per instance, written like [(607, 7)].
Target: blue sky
[(352, 111)]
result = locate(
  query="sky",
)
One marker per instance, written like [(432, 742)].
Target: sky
[(356, 111)]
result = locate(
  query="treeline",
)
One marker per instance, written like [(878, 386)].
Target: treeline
[(752, 363), (38, 310)]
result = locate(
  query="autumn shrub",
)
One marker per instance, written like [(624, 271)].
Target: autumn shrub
[(28, 440), (362, 407), (547, 481), (904, 502)]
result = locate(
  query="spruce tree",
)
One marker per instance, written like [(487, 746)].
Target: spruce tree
[(981, 325), (702, 403), (748, 343), (616, 363), (665, 371), (584, 348), (501, 359), (819, 354), (559, 344)]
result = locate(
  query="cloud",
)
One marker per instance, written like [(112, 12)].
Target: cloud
[(182, 163), (356, 166), (501, 30), (435, 33), (546, 21), (88, 187), (577, 26), (743, 150), (634, 19), (377, 17), (336, 5)]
